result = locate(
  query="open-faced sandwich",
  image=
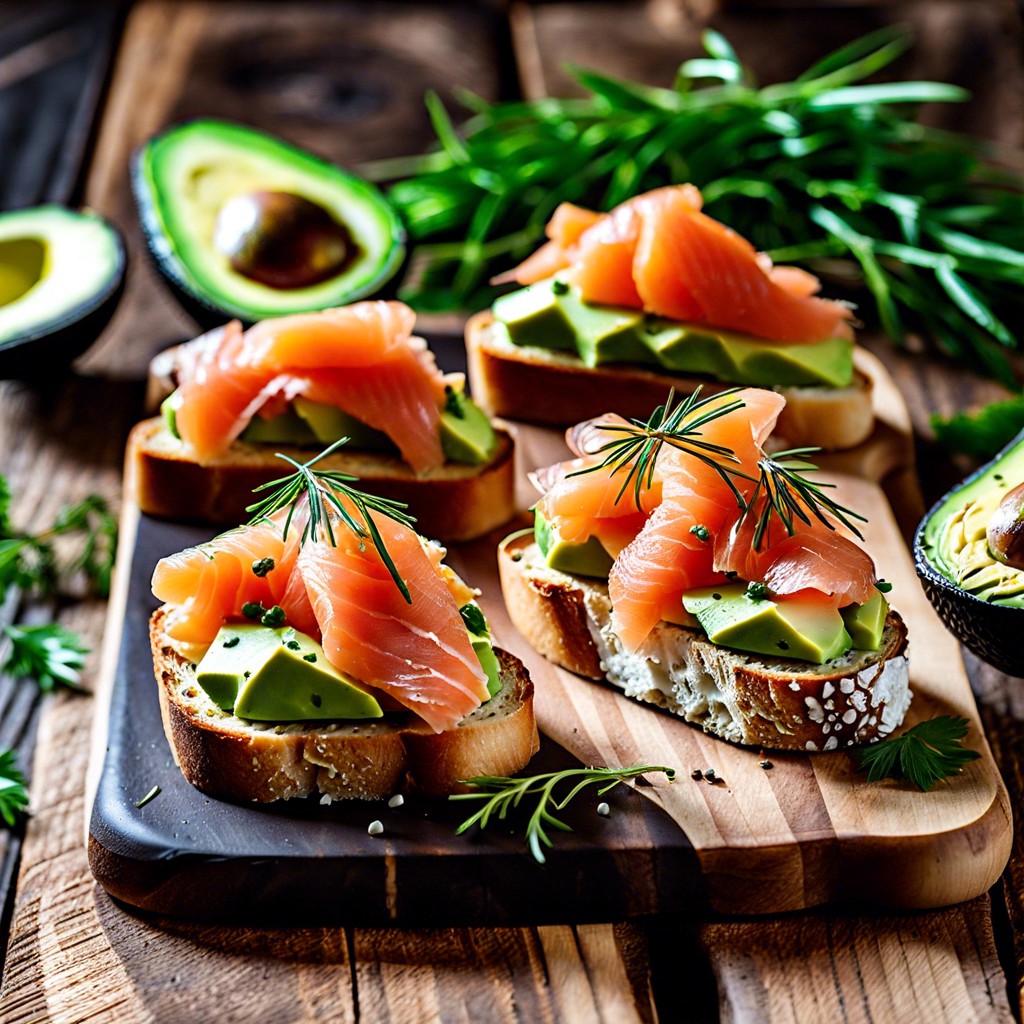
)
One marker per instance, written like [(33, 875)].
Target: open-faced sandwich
[(619, 307), (327, 648), (298, 383), (677, 560)]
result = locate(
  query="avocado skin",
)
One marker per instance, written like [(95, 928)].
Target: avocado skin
[(51, 349), (991, 631), (208, 314)]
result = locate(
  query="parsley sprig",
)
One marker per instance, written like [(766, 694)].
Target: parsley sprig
[(50, 654), (502, 794), (924, 754), (324, 491), (13, 792)]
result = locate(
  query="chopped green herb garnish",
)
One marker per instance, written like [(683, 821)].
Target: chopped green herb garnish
[(273, 617), (232, 641), (757, 591), (474, 619), (701, 532), (253, 610), (453, 402), (152, 794), (311, 657), (883, 586), (559, 288), (924, 754), (262, 566), (293, 645), (502, 794)]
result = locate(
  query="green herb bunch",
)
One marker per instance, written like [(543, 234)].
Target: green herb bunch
[(824, 171)]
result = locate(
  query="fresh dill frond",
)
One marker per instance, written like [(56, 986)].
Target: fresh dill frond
[(502, 794), (782, 490), (636, 451), (13, 791), (928, 752), (50, 654), (324, 491)]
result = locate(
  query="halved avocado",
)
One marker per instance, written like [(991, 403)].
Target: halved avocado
[(61, 275), (986, 614), (220, 203)]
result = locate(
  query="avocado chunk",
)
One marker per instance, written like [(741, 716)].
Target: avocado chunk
[(552, 314), (483, 646), (781, 629), (587, 559), (244, 225), (328, 424), (279, 675), (466, 432), (61, 275), (287, 428), (866, 622), (741, 359), (534, 316)]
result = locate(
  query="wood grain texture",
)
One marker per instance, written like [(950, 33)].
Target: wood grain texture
[(344, 80)]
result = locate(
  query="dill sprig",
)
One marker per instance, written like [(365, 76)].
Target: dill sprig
[(924, 754), (13, 791), (324, 491), (637, 450), (783, 490), (502, 794)]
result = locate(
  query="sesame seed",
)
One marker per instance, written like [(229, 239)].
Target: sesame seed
[(603, 809), (396, 801), (375, 828)]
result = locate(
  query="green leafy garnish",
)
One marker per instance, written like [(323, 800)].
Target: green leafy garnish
[(502, 794), (782, 490), (13, 792), (637, 450), (822, 171), (29, 561), (50, 654), (983, 433), (924, 754), (151, 795), (474, 619), (324, 490)]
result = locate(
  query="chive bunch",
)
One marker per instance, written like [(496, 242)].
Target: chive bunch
[(824, 171)]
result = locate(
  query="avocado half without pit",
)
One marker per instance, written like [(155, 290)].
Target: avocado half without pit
[(243, 225), (61, 275), (969, 553)]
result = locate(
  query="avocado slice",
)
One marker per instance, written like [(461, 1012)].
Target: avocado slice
[(279, 675), (185, 179), (483, 646), (534, 316), (866, 622), (327, 424), (466, 432), (587, 559), (61, 276), (782, 629)]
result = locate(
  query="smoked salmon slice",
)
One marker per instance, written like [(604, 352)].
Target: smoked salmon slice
[(659, 252), (361, 358), (419, 651)]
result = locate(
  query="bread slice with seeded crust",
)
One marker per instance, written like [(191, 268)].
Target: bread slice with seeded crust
[(773, 703), (236, 759)]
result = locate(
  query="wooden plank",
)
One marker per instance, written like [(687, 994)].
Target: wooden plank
[(346, 81)]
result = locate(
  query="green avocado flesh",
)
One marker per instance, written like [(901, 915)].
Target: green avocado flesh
[(954, 538), (587, 559), (278, 675), (56, 266), (466, 433), (781, 629), (184, 178), (550, 314), (866, 622), (483, 646)]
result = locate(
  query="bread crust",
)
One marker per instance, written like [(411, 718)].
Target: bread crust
[(556, 389), (455, 502), (227, 757), (786, 705)]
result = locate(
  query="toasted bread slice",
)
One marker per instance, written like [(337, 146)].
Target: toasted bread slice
[(545, 386), (236, 759), (777, 703), (455, 502)]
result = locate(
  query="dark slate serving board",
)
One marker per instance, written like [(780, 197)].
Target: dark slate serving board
[(188, 855)]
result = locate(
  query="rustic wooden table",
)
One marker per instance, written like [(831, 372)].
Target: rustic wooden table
[(347, 79)]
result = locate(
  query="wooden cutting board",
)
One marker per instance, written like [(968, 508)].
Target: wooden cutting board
[(811, 830)]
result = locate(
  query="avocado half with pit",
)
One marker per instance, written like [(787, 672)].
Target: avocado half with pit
[(61, 275), (978, 598), (244, 225)]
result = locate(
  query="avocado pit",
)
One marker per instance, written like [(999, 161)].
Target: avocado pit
[(1005, 532), (282, 240)]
